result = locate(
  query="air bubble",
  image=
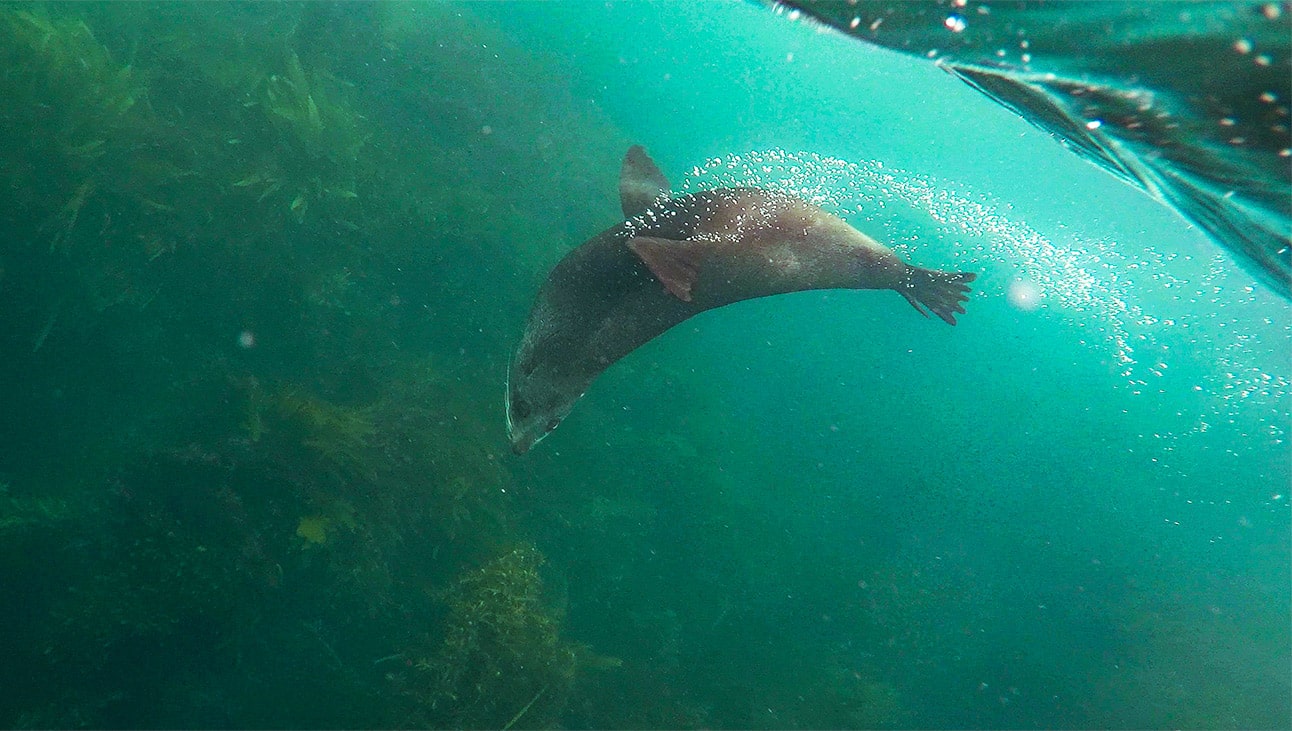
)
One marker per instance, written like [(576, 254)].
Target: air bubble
[(1082, 281)]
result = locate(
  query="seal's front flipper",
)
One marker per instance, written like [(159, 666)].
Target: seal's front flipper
[(941, 292), (676, 264), (640, 182)]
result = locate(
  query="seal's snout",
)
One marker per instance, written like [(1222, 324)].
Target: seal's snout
[(517, 435), (526, 433)]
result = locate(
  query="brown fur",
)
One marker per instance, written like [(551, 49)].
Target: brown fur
[(681, 256)]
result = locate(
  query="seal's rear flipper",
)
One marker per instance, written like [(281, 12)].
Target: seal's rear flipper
[(941, 292), (675, 264), (640, 182)]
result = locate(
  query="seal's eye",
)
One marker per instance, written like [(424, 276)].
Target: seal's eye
[(520, 409)]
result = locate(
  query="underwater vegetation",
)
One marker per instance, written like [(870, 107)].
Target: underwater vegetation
[(502, 658), (78, 116), (319, 138), (171, 190)]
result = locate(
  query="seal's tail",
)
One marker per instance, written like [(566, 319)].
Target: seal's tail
[(940, 292)]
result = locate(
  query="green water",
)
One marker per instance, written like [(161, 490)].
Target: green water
[(264, 267)]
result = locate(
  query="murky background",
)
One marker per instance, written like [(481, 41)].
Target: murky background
[(262, 271)]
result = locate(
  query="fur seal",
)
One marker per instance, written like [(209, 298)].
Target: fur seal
[(673, 258)]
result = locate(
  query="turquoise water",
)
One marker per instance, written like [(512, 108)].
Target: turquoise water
[(256, 472)]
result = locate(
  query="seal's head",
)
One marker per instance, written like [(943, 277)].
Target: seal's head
[(537, 401)]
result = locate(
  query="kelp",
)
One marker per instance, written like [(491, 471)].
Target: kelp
[(117, 175), (318, 139)]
